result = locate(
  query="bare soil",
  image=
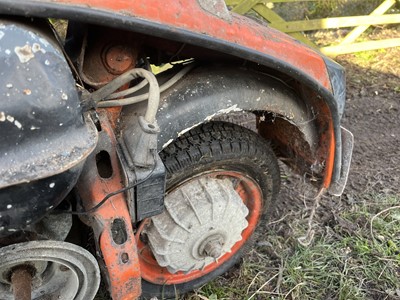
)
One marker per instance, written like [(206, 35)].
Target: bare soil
[(372, 114)]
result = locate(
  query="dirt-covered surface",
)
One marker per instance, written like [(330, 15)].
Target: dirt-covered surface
[(372, 114), (350, 248)]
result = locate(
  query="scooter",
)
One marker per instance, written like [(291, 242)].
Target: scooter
[(139, 143)]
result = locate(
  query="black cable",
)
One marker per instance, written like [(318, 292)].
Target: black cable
[(104, 200)]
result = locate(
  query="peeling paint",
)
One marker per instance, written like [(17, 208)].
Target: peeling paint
[(36, 48), (209, 118), (64, 96), (11, 119), (24, 53), (18, 124), (230, 109), (187, 129), (167, 143)]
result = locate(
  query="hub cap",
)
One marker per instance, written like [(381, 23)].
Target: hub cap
[(203, 219), (59, 270)]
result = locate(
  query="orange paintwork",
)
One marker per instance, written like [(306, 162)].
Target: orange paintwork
[(252, 197), (240, 31), (124, 277), (330, 158)]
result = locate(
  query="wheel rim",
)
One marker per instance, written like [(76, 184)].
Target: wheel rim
[(251, 195), (61, 270)]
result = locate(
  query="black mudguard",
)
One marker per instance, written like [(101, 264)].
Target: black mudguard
[(42, 131), (43, 135), (212, 92)]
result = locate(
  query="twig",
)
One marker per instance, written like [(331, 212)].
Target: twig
[(251, 283), (261, 287), (296, 286), (387, 259), (280, 278), (307, 239), (377, 215), (280, 220), (270, 293)]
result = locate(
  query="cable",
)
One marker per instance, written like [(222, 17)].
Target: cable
[(143, 97), (112, 194), (153, 96), (129, 91)]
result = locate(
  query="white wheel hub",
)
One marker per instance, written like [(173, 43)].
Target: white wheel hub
[(203, 220)]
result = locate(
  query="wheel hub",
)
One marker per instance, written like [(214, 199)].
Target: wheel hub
[(57, 270), (203, 219), (212, 246)]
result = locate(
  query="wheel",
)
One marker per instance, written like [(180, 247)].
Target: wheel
[(221, 178), (56, 270)]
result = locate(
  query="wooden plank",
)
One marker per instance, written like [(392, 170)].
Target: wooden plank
[(356, 32), (273, 17), (358, 47), (330, 23), (232, 2), (244, 6)]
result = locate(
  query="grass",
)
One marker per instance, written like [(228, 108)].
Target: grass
[(348, 259)]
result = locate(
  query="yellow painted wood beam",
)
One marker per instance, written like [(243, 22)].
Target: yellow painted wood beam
[(330, 23), (244, 6), (358, 47), (273, 17), (356, 32)]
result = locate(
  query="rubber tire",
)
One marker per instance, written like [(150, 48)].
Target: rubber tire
[(222, 146)]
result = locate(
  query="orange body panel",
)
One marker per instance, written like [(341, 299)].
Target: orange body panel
[(121, 260), (241, 31)]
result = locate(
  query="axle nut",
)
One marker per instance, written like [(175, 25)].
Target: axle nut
[(213, 249)]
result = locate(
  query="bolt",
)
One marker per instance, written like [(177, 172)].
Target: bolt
[(118, 59), (21, 280), (213, 249)]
